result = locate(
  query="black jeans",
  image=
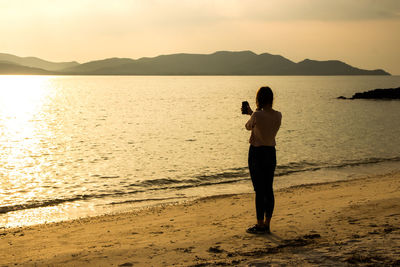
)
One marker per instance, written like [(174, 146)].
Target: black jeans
[(262, 164)]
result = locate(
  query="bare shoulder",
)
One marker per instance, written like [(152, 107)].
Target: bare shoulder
[(257, 113), (278, 113)]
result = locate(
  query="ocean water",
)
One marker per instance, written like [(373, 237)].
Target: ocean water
[(76, 146)]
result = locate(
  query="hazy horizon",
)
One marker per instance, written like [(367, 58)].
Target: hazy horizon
[(360, 33)]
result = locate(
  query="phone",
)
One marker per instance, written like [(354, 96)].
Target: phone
[(245, 106)]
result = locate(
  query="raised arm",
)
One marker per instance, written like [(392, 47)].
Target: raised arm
[(251, 122)]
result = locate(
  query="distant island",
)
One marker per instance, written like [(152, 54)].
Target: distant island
[(218, 63), (389, 93)]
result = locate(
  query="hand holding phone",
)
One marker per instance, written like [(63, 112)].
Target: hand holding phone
[(246, 108)]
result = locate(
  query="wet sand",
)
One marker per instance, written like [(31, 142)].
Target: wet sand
[(333, 224)]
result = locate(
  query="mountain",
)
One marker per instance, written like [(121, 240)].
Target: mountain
[(93, 66), (34, 62), (9, 68), (218, 63), (332, 67)]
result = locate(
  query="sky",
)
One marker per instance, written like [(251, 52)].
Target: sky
[(362, 33)]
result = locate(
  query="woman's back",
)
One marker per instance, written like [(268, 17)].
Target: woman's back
[(264, 125)]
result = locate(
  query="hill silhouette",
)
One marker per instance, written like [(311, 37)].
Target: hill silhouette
[(332, 66), (93, 66), (35, 62), (218, 63), (8, 68)]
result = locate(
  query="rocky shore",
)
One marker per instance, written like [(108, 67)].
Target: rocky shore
[(390, 93)]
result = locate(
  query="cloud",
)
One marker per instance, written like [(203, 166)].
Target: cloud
[(91, 29), (191, 13), (319, 10), (198, 12)]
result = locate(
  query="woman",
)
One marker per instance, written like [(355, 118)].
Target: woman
[(264, 124)]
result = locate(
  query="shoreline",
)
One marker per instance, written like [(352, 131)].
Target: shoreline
[(52, 214), (326, 223)]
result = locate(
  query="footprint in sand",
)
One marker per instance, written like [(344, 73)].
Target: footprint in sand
[(156, 233), (215, 249)]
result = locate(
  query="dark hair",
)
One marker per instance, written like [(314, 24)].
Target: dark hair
[(264, 97)]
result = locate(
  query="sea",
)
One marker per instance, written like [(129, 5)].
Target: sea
[(79, 146)]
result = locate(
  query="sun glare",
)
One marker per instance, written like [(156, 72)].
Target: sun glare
[(21, 127), (21, 95)]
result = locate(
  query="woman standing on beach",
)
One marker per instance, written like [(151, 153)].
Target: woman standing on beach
[(264, 124)]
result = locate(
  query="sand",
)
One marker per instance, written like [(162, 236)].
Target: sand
[(333, 224)]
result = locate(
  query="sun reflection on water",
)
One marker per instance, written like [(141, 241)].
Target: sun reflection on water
[(23, 126)]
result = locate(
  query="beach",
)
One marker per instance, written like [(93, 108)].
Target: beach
[(83, 146), (339, 223), (125, 141)]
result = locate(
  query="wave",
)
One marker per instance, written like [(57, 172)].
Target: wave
[(39, 204), (233, 175), (161, 181), (307, 166), (241, 173), (145, 200), (58, 201)]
